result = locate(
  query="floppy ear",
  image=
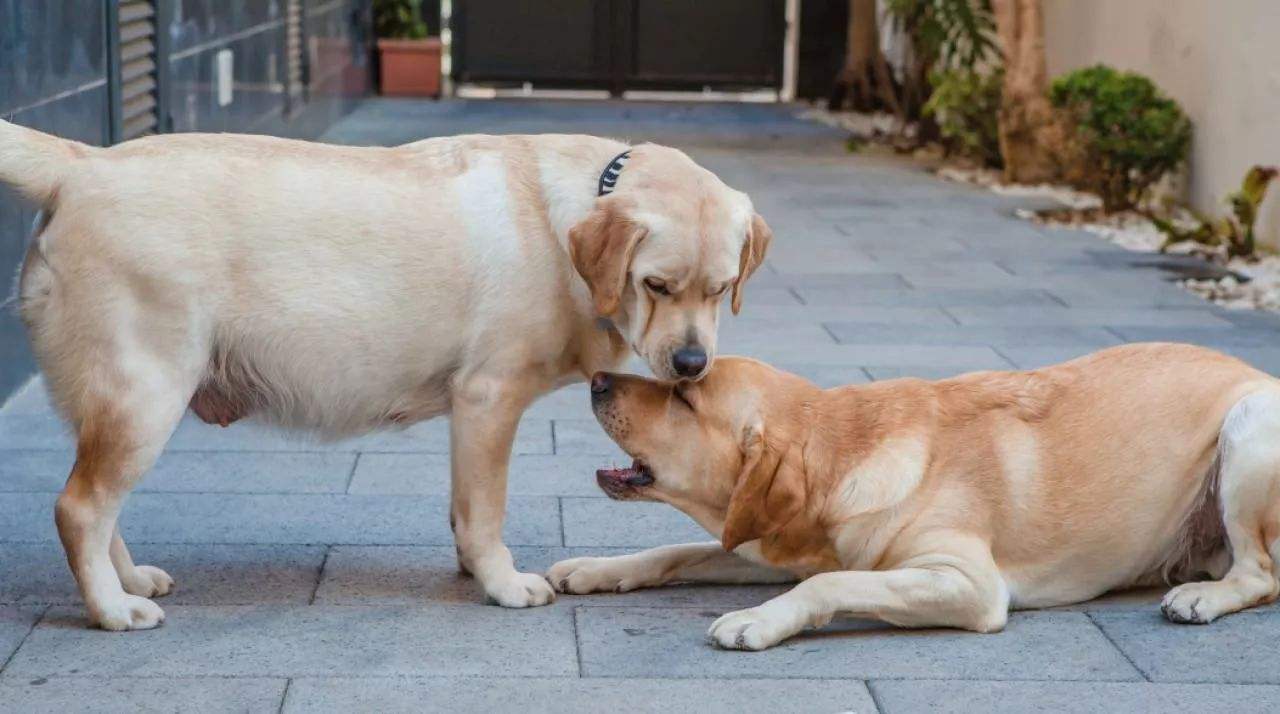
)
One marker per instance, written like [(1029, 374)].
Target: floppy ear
[(768, 495), (753, 249), (601, 246)]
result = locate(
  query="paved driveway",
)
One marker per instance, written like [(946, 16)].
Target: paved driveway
[(322, 577)]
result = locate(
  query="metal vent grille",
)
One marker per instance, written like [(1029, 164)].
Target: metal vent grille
[(295, 52), (137, 73)]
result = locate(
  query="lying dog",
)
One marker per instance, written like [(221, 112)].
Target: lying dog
[(341, 289), (947, 503)]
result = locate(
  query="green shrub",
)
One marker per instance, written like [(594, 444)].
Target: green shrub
[(1129, 133), (966, 106), (399, 19)]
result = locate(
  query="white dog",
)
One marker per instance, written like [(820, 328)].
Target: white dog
[(344, 289)]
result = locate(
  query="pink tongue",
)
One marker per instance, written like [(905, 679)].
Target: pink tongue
[(615, 473)]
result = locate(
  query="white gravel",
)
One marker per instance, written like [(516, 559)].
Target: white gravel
[(1135, 232)]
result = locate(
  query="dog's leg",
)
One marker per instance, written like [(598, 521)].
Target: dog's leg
[(117, 442), (141, 580), (689, 562), (486, 413), (1249, 453), (927, 592)]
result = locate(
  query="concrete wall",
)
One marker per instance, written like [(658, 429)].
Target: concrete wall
[(53, 77), (1220, 59)]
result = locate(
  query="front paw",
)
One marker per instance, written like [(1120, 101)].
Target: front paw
[(754, 629), (146, 581), (519, 590), (580, 576)]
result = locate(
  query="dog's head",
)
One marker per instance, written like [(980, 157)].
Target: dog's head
[(724, 450), (660, 253)]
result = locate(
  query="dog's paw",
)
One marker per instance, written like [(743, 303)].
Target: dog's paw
[(146, 581), (755, 629), (592, 575), (519, 590), (1194, 603), (127, 612)]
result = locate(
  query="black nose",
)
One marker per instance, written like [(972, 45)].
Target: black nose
[(689, 361), (601, 382)]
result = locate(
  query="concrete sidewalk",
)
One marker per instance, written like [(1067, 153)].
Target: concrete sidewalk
[(322, 577)]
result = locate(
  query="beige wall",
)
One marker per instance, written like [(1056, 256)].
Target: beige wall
[(1219, 58)]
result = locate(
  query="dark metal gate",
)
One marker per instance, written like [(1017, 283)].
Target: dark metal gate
[(620, 44)]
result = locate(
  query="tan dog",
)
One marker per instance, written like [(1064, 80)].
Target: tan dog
[(947, 503), (341, 290)]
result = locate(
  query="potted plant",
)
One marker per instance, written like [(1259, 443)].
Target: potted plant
[(410, 59)]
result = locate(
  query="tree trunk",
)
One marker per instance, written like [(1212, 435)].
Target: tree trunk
[(865, 74), (1032, 135)]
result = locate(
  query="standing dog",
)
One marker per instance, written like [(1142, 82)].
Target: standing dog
[(947, 503), (341, 290)]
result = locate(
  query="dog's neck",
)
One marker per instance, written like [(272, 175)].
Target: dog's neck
[(571, 170)]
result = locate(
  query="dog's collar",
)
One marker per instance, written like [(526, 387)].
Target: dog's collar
[(609, 177)]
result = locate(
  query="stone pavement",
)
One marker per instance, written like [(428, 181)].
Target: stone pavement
[(321, 576)]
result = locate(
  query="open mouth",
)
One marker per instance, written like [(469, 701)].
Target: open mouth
[(618, 483)]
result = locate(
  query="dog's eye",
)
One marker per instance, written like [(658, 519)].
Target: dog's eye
[(657, 286)]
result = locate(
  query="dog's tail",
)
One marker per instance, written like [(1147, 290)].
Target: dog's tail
[(35, 163)]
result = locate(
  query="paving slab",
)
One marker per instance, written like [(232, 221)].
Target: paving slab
[(47, 431), (1088, 316), (428, 474), (630, 696), (848, 333), (430, 639), (952, 697), (657, 642), (584, 436), (15, 625), (394, 575), (213, 471), (873, 297), (600, 521), (204, 574), (289, 519), (1236, 649), (115, 695)]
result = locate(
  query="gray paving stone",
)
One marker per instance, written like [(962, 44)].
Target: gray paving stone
[(286, 641), (1215, 337), (943, 697), (879, 373), (659, 696), (599, 521), (15, 623), (395, 575), (826, 375), (45, 431), (925, 298), (1134, 294), (584, 436), (244, 472), (639, 642), (1087, 317), (274, 519), (1239, 649), (114, 695), (829, 279), (428, 474), (572, 402), (1035, 357), (960, 358), (876, 314), (30, 398), (205, 574), (996, 335)]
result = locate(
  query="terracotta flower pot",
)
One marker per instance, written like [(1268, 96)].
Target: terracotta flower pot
[(410, 68)]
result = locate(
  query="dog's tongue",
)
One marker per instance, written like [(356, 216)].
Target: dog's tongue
[(616, 474)]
